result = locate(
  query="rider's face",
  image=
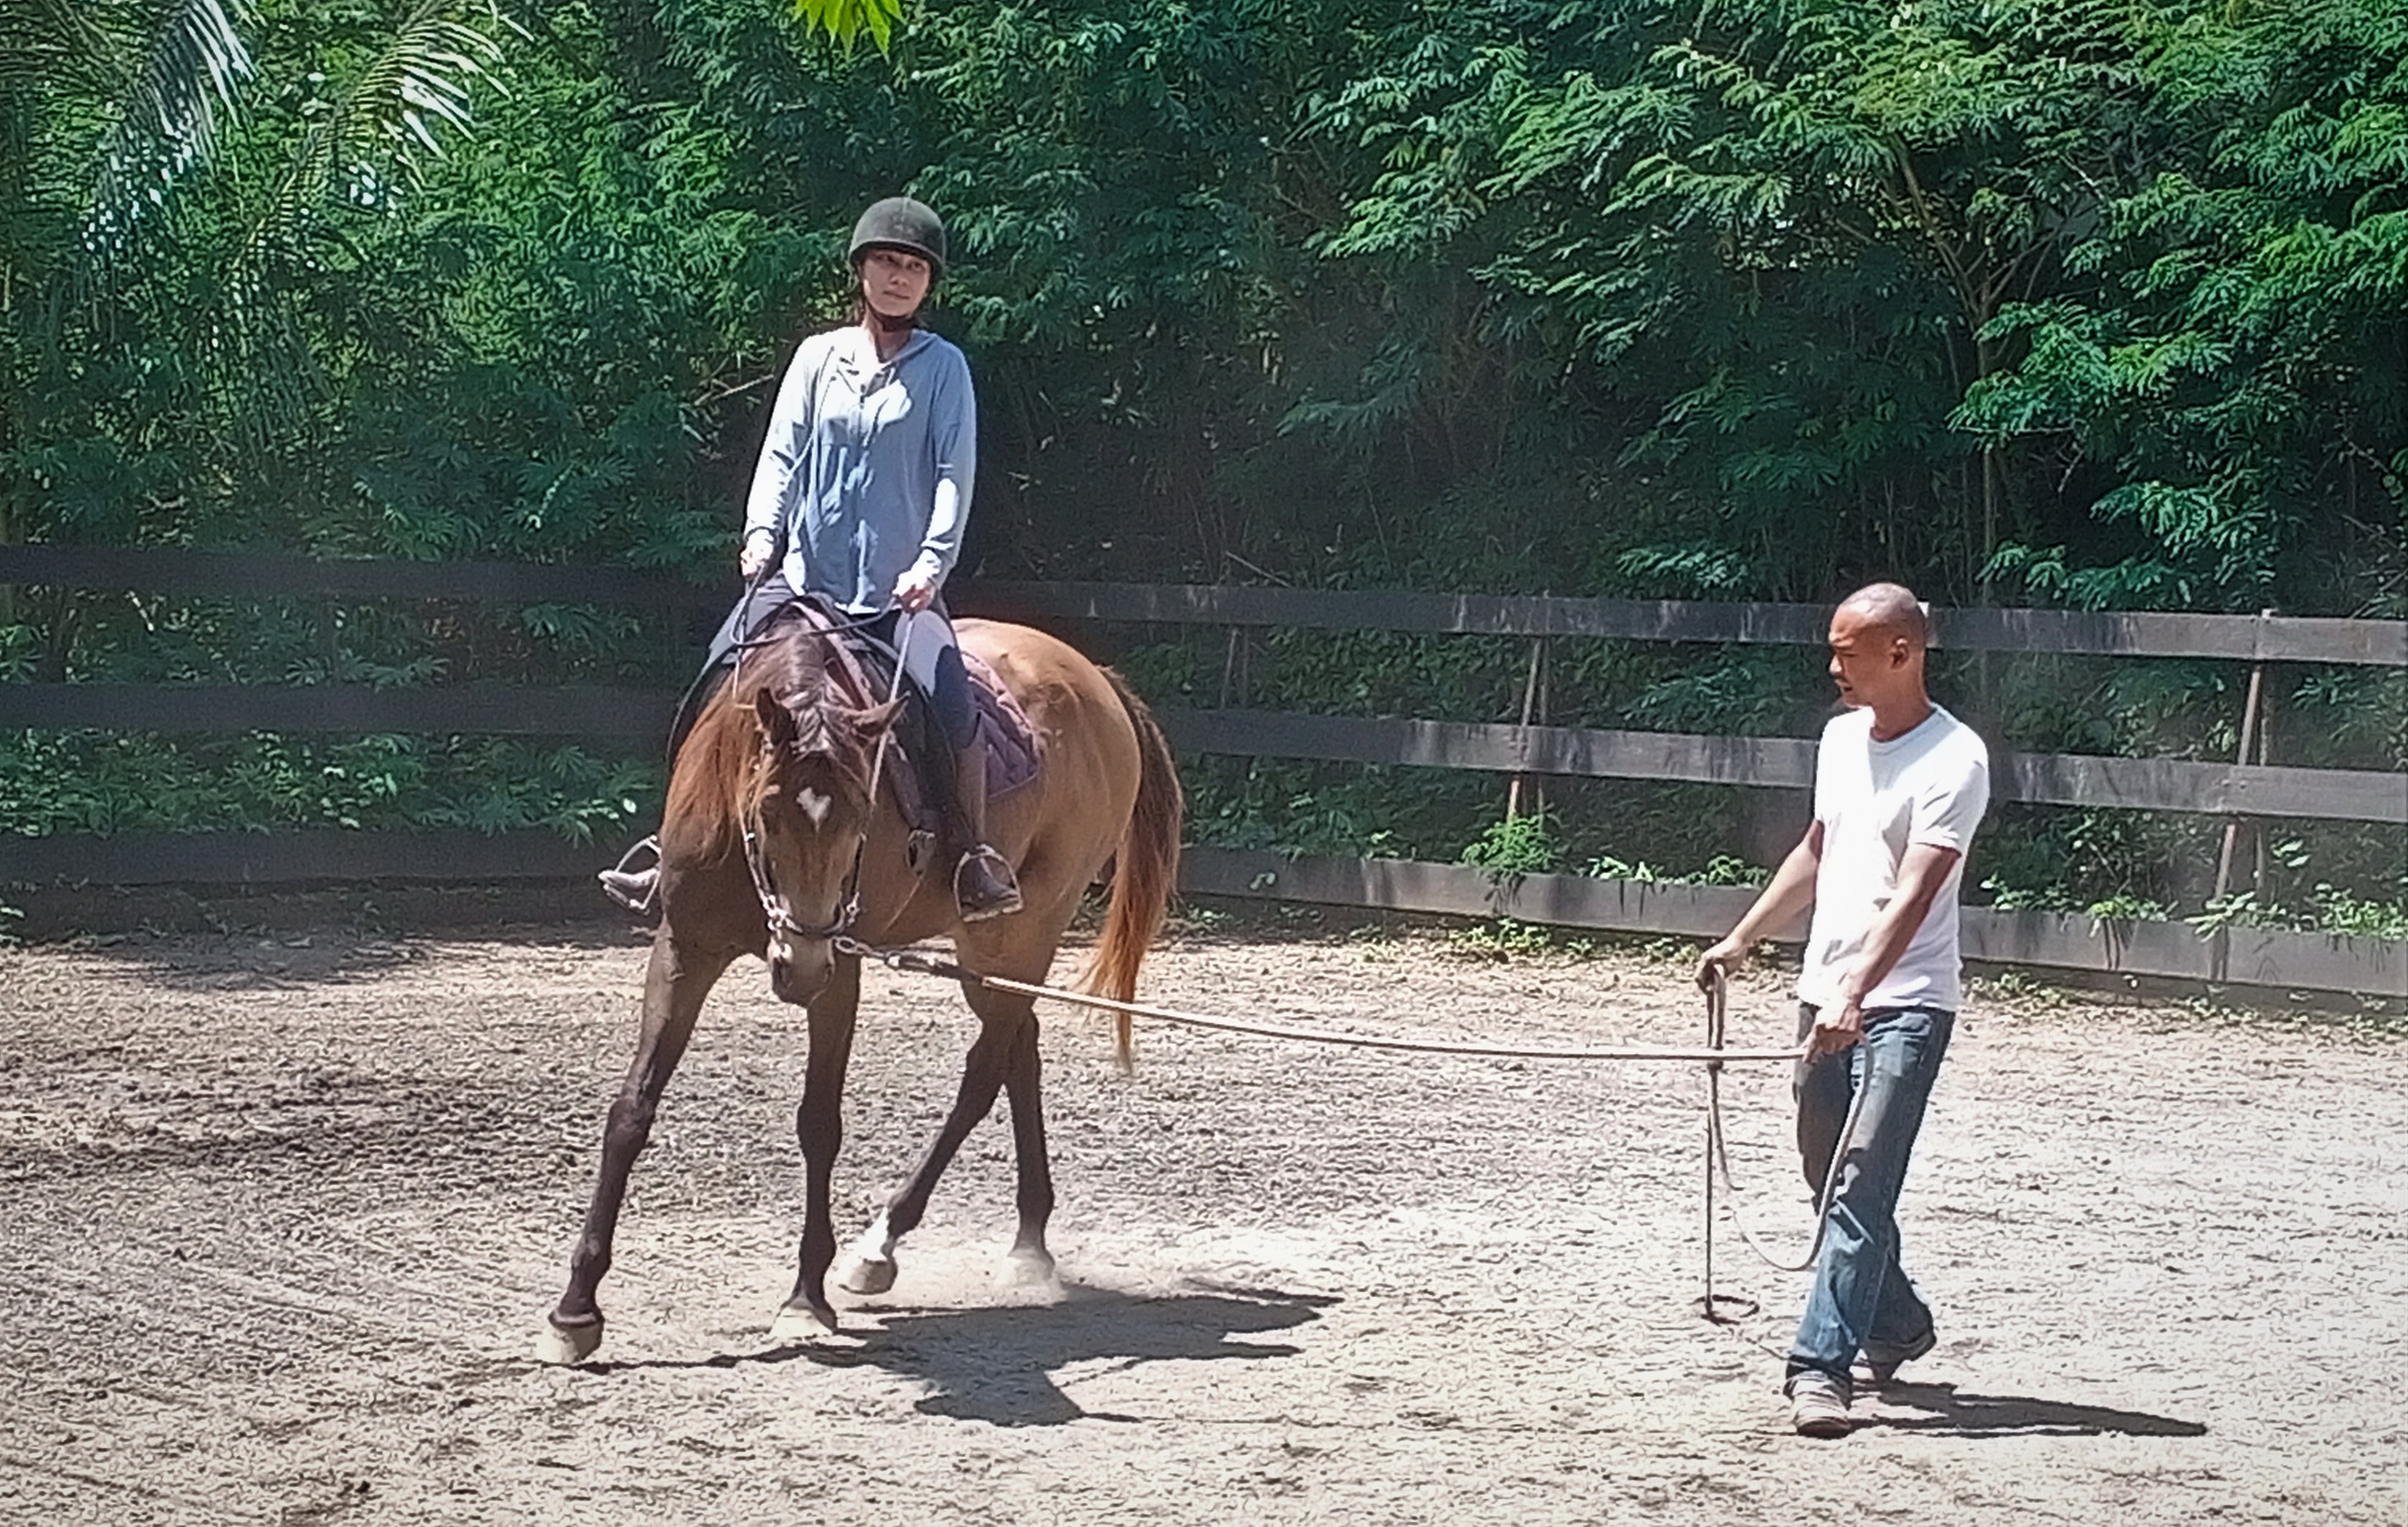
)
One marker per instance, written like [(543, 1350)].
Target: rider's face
[(893, 283)]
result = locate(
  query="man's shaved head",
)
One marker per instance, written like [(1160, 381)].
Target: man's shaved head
[(1878, 636), (1892, 609)]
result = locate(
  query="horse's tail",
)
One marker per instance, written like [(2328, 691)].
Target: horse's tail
[(1145, 868)]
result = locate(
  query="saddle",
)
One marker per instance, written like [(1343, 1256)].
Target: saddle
[(863, 668)]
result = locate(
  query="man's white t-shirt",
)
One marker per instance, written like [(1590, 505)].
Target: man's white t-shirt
[(1874, 800)]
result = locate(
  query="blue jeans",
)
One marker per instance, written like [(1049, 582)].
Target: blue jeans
[(1861, 1295)]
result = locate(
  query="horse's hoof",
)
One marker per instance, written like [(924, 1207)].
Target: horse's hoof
[(799, 1325), (1026, 1269), (867, 1276), (562, 1345)]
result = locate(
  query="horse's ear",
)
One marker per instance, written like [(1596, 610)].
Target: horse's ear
[(776, 722), (875, 721)]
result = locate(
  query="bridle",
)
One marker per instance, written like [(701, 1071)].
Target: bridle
[(783, 924), (781, 921)]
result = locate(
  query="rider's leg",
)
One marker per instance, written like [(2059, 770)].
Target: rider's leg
[(983, 884)]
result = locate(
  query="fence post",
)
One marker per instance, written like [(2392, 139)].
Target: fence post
[(1534, 700), (2257, 829), (1233, 668), (2250, 720), (330, 642)]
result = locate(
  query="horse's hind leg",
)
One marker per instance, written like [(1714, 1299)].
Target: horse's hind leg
[(675, 983), (819, 1125), (1030, 1263), (869, 1267)]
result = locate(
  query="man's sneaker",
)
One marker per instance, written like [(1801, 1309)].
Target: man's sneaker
[(1818, 1405), (1883, 1361)]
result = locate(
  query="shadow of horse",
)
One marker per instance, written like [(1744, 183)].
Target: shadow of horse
[(998, 1363), (1950, 1412)]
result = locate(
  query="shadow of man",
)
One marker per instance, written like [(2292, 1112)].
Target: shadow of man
[(997, 1364), (1957, 1414)]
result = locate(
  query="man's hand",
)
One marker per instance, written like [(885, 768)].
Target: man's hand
[(1729, 956), (915, 591), (1836, 1029), (750, 563)]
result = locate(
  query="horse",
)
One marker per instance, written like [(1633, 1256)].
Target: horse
[(772, 845)]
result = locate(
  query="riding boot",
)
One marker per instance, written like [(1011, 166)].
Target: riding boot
[(983, 884)]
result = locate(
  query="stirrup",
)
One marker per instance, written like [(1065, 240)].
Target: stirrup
[(1007, 886), (634, 887)]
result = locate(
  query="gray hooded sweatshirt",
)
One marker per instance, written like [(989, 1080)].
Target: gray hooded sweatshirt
[(866, 473)]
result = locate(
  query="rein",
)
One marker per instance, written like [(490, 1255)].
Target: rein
[(1723, 1308), (927, 962)]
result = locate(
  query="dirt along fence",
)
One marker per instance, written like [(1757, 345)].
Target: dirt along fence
[(2249, 788)]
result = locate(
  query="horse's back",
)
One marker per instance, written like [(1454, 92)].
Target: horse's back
[(1089, 759), (1048, 676)]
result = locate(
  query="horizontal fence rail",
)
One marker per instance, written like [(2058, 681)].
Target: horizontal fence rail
[(2289, 638), (2235, 955), (468, 709), (1784, 763), (2298, 638), (295, 857), (2270, 958), (1764, 762), (268, 575)]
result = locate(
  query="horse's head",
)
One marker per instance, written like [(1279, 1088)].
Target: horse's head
[(806, 813)]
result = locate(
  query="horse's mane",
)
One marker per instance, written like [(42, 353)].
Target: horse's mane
[(709, 777)]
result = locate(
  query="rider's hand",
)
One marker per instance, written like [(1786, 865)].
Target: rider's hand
[(1731, 955), (1836, 1029), (750, 562), (915, 591)]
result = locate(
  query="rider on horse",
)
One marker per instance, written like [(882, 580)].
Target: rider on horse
[(859, 501)]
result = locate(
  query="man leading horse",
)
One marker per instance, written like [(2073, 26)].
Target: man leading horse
[(1899, 788)]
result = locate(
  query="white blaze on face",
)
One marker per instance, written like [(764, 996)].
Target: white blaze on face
[(815, 806)]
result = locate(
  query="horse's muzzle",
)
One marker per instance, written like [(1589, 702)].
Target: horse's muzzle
[(799, 969)]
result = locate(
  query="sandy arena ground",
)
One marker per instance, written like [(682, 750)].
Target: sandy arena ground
[(279, 1218)]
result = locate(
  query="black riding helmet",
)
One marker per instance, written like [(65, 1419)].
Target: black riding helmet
[(899, 222)]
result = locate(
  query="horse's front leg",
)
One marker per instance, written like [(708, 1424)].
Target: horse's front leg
[(675, 983), (870, 1265), (819, 1125)]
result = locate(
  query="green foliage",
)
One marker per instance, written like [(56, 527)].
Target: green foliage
[(848, 20), (1504, 939), (2035, 300), (85, 782), (1515, 845)]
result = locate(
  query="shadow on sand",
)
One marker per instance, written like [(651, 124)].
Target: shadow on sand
[(997, 1364), (1948, 1411)]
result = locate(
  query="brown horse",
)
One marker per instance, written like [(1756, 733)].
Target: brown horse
[(769, 837)]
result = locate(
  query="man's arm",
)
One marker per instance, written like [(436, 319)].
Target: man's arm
[(1920, 875), (1792, 892)]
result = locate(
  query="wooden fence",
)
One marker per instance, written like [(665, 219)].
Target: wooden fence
[(2257, 957)]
